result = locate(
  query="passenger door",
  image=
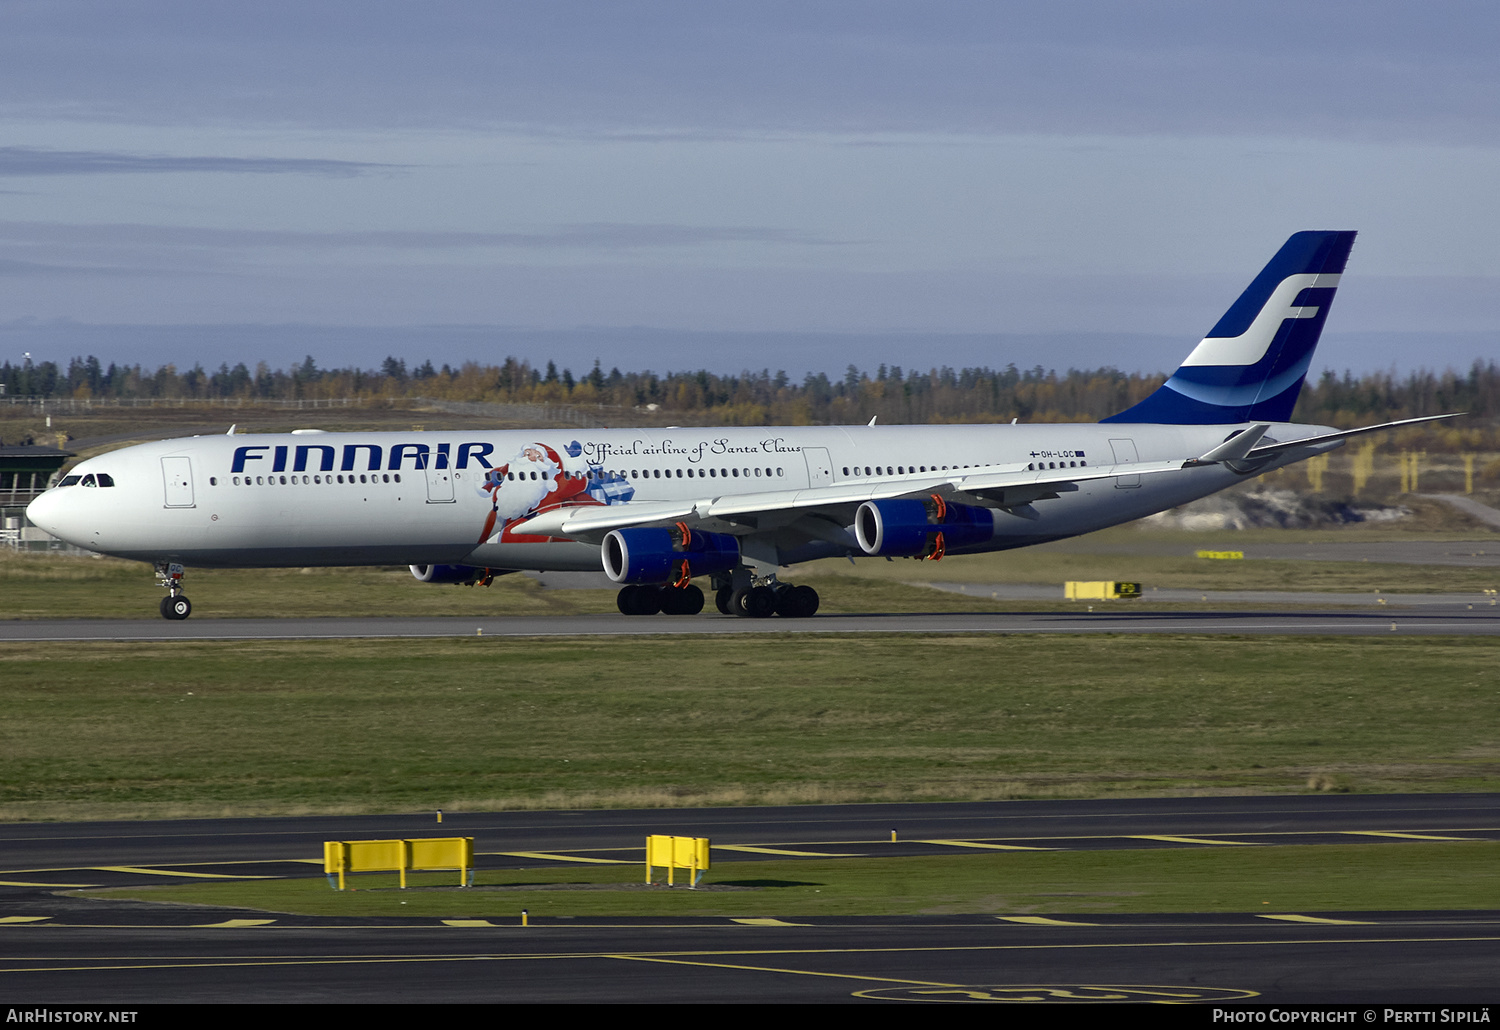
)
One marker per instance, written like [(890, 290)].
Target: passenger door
[(177, 481), (1125, 454)]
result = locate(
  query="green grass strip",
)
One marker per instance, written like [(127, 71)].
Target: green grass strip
[(1259, 880), (117, 730)]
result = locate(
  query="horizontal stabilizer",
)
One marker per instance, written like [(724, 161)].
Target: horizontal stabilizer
[(1233, 449), (1312, 441)]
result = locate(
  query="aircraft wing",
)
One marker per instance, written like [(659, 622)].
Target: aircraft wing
[(1012, 487), (593, 521), (1004, 486)]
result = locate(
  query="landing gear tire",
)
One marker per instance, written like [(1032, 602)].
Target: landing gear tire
[(176, 608), (639, 600), (797, 603), (756, 603), (687, 601), (722, 598)]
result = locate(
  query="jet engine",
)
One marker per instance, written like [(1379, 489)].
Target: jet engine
[(667, 555), (920, 529), (462, 574)]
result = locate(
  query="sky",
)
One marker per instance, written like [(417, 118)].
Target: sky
[(683, 185)]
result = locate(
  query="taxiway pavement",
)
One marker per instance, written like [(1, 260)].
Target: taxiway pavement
[(64, 950)]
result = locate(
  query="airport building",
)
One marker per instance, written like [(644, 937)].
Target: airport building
[(25, 471)]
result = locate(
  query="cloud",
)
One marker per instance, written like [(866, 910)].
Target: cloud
[(29, 161), (10, 268), (1366, 69), (615, 234), (593, 235)]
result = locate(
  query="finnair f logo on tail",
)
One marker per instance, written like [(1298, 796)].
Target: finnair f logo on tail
[(1251, 345)]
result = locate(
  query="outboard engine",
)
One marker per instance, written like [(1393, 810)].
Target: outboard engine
[(667, 555), (921, 529), (462, 574)]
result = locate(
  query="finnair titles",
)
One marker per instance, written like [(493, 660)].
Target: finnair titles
[(729, 507)]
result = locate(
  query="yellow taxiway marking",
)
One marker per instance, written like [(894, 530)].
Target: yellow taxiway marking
[(231, 923), (467, 922), (1404, 836), (982, 844), (23, 919), (1172, 838), (1125, 836), (148, 871), (778, 969), (780, 851), (1042, 921), (564, 858), (767, 922), (1290, 918), (1433, 835)]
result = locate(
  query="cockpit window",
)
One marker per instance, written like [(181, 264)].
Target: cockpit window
[(89, 480), (70, 481), (105, 479)]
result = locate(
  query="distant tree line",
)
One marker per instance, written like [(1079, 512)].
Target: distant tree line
[(891, 393)]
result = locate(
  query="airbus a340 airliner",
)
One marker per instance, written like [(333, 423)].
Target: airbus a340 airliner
[(658, 508)]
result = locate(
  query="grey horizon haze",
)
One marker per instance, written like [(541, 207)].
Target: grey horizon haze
[(737, 186)]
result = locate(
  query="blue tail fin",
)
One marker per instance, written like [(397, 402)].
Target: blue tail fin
[(1251, 365)]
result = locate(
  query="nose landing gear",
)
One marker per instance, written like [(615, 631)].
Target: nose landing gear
[(178, 607), (175, 605)]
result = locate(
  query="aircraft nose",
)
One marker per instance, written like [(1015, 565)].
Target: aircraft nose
[(48, 512)]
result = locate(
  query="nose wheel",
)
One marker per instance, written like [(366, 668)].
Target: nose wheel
[(176, 607)]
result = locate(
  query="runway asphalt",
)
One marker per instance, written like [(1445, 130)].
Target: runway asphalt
[(1101, 617), (1440, 959), (57, 950), (177, 842)]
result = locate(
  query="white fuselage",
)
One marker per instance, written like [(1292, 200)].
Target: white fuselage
[(414, 498)]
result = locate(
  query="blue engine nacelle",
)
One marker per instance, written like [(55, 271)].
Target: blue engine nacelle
[(925, 529), (447, 573), (667, 555)]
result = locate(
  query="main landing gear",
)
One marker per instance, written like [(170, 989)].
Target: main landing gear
[(649, 600), (175, 605), (790, 602), (745, 598)]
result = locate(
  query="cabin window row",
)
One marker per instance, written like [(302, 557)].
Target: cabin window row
[(894, 470), (906, 470), (723, 473), (697, 473), (309, 480)]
